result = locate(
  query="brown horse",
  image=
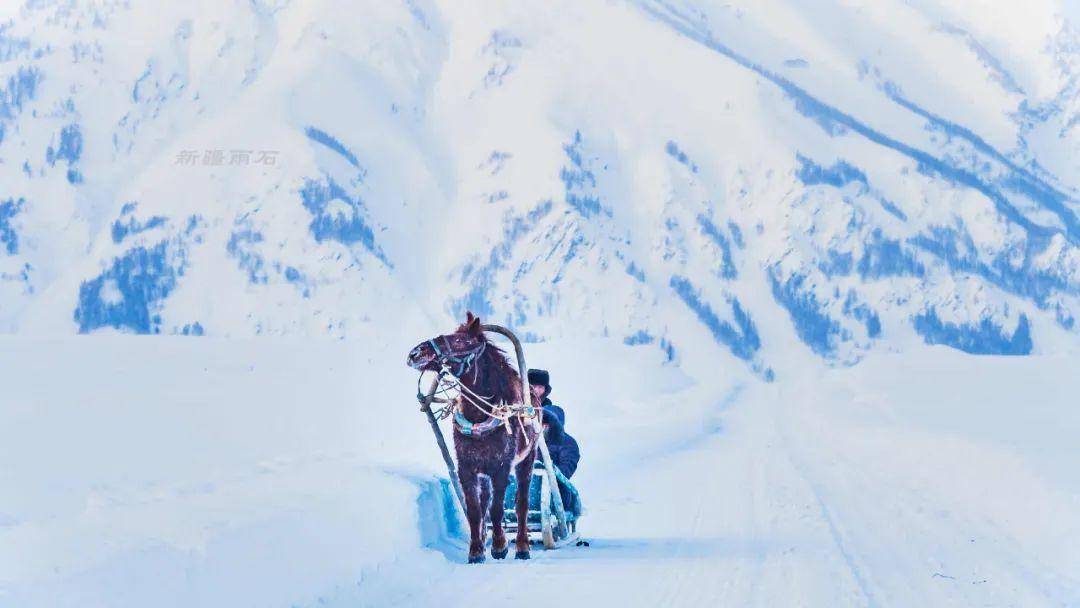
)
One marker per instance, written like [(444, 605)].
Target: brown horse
[(485, 446)]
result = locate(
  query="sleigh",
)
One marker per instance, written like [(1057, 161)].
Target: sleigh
[(554, 502), (542, 519)]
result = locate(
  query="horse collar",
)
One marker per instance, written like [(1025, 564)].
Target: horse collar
[(475, 429)]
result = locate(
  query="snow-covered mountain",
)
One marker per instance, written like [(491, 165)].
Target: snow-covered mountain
[(673, 201), (703, 179)]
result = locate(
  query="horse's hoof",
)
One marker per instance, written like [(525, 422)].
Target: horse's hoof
[(499, 554), (476, 559), (521, 555)]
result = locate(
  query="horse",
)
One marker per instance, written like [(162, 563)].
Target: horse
[(486, 446)]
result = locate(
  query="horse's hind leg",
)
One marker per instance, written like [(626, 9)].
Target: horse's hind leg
[(470, 483), (523, 470), (499, 479)]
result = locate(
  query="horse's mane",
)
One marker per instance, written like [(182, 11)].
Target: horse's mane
[(497, 377)]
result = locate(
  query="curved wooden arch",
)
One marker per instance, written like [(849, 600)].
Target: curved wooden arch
[(550, 491)]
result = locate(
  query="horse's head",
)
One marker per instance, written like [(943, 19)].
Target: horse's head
[(458, 350)]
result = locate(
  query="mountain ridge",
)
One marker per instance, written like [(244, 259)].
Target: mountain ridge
[(264, 169)]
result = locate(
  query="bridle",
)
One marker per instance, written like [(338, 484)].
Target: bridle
[(463, 361)]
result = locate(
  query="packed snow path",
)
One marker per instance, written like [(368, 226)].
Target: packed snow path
[(787, 504), (257, 480)]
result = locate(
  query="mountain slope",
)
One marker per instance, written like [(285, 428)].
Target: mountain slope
[(708, 181)]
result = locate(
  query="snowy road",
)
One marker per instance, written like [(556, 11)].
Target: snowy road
[(812, 503), (258, 481)]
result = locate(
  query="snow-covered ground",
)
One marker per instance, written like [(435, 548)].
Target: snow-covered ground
[(202, 472)]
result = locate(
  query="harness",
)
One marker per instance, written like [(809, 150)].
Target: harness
[(448, 379), (474, 429)]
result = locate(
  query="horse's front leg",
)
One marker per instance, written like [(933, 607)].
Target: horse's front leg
[(485, 501), (470, 486), (499, 480), (523, 470)]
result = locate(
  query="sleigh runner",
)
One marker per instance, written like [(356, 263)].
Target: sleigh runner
[(492, 434)]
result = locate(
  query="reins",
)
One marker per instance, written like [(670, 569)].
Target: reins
[(498, 414)]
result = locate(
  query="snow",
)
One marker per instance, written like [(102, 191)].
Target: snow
[(195, 471), (551, 167), (806, 275)]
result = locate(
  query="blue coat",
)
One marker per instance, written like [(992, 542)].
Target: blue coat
[(554, 410), (564, 449)]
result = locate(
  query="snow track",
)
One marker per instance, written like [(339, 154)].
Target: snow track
[(841, 487), (824, 500)]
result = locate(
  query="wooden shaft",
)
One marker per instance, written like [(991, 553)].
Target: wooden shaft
[(526, 395), (425, 406), (553, 483)]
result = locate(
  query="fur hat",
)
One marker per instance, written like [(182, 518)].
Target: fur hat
[(541, 377)]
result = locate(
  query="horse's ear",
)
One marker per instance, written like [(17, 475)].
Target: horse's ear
[(473, 326), (469, 317)]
